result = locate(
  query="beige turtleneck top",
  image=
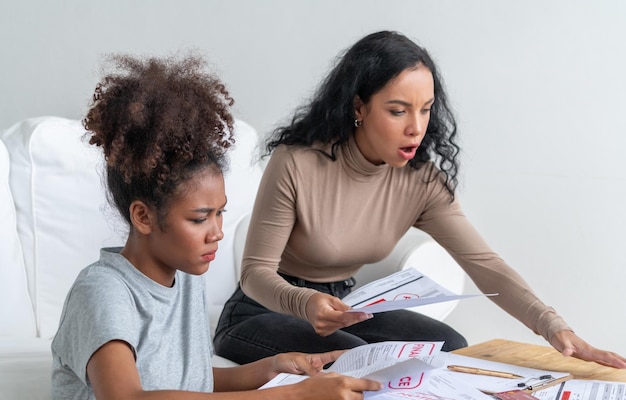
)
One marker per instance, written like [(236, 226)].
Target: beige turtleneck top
[(321, 220)]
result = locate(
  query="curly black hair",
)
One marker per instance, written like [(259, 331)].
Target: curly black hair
[(363, 70), (158, 120)]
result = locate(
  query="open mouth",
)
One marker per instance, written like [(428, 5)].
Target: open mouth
[(408, 152)]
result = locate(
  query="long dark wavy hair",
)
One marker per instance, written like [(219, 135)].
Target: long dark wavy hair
[(363, 70)]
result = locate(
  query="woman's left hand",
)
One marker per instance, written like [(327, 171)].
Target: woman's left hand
[(303, 363), (569, 344)]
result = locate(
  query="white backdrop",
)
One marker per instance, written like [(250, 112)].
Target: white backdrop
[(538, 87)]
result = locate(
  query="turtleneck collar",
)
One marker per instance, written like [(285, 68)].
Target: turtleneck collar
[(356, 165)]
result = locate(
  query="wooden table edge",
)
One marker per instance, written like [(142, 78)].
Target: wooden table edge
[(540, 357)]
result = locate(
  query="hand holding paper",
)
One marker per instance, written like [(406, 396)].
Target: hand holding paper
[(327, 314), (406, 369)]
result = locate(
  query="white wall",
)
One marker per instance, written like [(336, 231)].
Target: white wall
[(538, 87)]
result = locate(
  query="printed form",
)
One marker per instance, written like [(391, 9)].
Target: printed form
[(404, 289), (578, 389), (406, 369)]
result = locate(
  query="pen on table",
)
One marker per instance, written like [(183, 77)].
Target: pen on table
[(480, 371)]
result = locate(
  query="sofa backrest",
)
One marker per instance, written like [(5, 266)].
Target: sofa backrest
[(61, 209), (16, 310), (63, 217), (242, 182)]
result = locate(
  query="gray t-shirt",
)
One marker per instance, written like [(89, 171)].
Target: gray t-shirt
[(167, 328)]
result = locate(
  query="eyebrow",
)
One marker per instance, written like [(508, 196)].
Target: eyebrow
[(406, 103), (205, 210)]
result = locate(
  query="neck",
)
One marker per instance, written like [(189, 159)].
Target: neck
[(136, 252)]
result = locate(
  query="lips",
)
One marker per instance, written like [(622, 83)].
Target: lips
[(408, 152), (208, 257)]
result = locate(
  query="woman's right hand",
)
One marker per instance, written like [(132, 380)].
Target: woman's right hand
[(327, 314), (334, 386)]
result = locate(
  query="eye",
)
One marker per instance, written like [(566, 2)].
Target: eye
[(198, 221), (426, 111), (221, 212), (397, 113)]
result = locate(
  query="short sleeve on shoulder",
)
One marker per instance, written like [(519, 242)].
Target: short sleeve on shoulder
[(99, 308)]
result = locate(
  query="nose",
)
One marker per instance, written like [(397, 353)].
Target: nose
[(215, 233), (416, 125)]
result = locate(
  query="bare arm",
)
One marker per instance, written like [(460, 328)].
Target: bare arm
[(253, 375), (113, 375)]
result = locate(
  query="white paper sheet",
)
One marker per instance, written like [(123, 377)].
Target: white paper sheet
[(491, 384), (404, 289), (376, 360), (438, 387), (406, 370), (375, 354), (577, 389)]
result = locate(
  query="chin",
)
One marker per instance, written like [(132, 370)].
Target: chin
[(199, 270)]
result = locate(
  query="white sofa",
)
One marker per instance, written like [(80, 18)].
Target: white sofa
[(54, 219)]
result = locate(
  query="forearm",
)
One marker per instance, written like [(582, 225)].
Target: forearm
[(517, 299), (491, 274), (244, 377), (279, 393), (269, 289)]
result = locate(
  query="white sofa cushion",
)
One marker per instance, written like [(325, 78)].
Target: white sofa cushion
[(242, 181), (59, 198), (16, 312)]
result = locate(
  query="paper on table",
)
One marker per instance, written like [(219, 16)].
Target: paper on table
[(400, 365), (439, 387), (583, 389), (404, 289), (408, 370), (492, 384), (420, 382)]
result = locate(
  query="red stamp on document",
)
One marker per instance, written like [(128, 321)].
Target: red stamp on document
[(406, 382), (412, 350), (406, 296)]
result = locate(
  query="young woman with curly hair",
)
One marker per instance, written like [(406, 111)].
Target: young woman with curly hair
[(373, 154), (135, 323)]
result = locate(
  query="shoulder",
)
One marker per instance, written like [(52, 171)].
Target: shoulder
[(301, 154), (99, 308), (103, 287), (295, 160)]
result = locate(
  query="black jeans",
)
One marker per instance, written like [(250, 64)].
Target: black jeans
[(247, 331)]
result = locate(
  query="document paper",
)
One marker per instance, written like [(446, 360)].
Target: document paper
[(404, 289), (578, 389), (406, 370), (492, 384)]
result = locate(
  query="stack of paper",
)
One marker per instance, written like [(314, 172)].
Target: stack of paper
[(406, 369)]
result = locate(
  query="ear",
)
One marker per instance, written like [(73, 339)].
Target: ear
[(142, 217), (359, 108)]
